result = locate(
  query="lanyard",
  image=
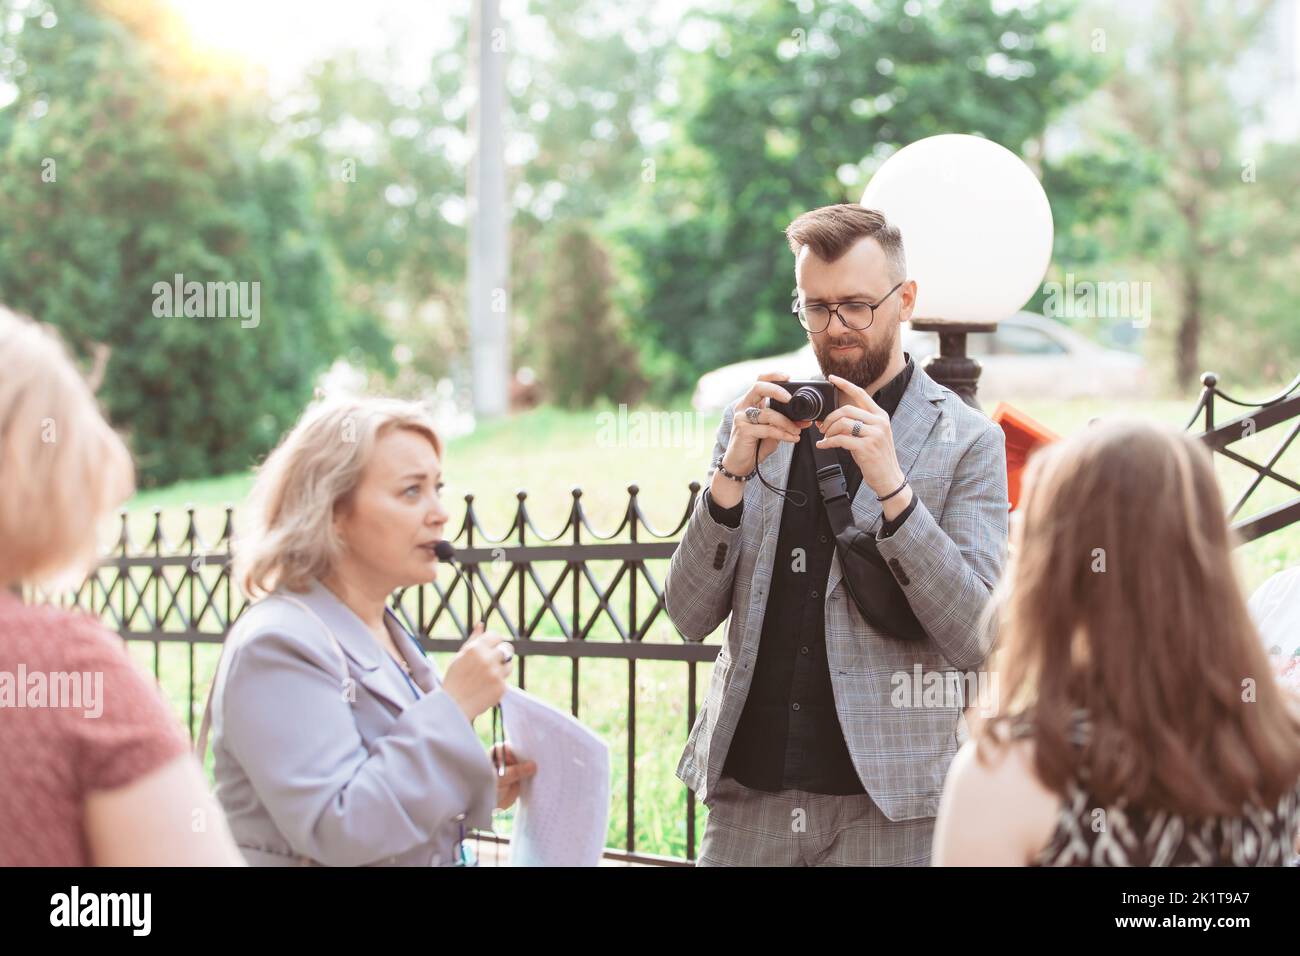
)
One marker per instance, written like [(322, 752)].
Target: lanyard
[(415, 688)]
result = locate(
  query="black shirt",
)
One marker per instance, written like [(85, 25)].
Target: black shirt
[(789, 735)]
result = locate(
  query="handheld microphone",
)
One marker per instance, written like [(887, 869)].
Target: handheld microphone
[(446, 552)]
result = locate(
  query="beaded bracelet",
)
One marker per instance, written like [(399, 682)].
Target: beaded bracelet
[(717, 463)]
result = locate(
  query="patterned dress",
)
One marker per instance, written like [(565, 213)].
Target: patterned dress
[(1088, 834)]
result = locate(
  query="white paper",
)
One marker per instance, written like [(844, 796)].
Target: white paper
[(563, 811)]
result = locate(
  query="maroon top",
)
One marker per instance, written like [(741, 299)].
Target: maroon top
[(76, 715)]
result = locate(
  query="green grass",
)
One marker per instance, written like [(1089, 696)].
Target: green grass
[(547, 452), (1258, 560)]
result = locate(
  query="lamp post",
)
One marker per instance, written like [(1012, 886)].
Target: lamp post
[(488, 280), (977, 232), (952, 367)]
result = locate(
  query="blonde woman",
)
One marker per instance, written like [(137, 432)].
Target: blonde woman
[(1142, 724), (335, 741), (96, 770)]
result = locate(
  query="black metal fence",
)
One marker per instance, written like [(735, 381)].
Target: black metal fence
[(603, 601), (1279, 409)]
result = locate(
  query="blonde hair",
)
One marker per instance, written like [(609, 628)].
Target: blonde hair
[(288, 536), (62, 467)]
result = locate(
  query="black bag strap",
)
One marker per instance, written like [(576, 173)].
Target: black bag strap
[(834, 489), (870, 584)]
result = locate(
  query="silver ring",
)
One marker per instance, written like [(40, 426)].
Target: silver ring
[(752, 413), (857, 429)]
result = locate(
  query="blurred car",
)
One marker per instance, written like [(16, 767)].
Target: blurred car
[(1028, 356)]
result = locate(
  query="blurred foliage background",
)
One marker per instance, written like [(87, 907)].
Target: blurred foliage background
[(655, 159)]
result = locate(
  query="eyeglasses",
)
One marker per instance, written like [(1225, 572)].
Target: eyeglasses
[(856, 315)]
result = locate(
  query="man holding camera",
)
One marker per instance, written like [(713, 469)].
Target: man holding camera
[(810, 748)]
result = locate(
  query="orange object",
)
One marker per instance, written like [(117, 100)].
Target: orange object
[(1024, 437)]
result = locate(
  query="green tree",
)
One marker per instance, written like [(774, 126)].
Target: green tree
[(1194, 214), (1254, 331), (585, 353), (390, 161), (789, 106), (584, 82), (384, 175), (126, 160)]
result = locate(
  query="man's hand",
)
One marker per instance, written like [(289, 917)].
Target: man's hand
[(872, 449), (751, 442), (516, 772)]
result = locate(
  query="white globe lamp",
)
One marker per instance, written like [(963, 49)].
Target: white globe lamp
[(977, 232)]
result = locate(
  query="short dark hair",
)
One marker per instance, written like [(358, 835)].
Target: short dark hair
[(831, 230)]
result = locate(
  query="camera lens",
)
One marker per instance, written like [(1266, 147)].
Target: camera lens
[(805, 405)]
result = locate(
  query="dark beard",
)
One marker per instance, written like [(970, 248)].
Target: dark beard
[(862, 371)]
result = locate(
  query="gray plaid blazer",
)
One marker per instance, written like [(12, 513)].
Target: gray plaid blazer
[(946, 556)]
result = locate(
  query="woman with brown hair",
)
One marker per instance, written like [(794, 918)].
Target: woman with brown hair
[(1141, 722)]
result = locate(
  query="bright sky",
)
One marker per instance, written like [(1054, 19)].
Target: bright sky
[(285, 36)]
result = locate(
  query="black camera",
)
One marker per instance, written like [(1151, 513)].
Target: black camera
[(809, 401)]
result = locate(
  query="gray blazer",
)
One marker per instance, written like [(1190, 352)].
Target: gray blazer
[(946, 556), (323, 750)]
